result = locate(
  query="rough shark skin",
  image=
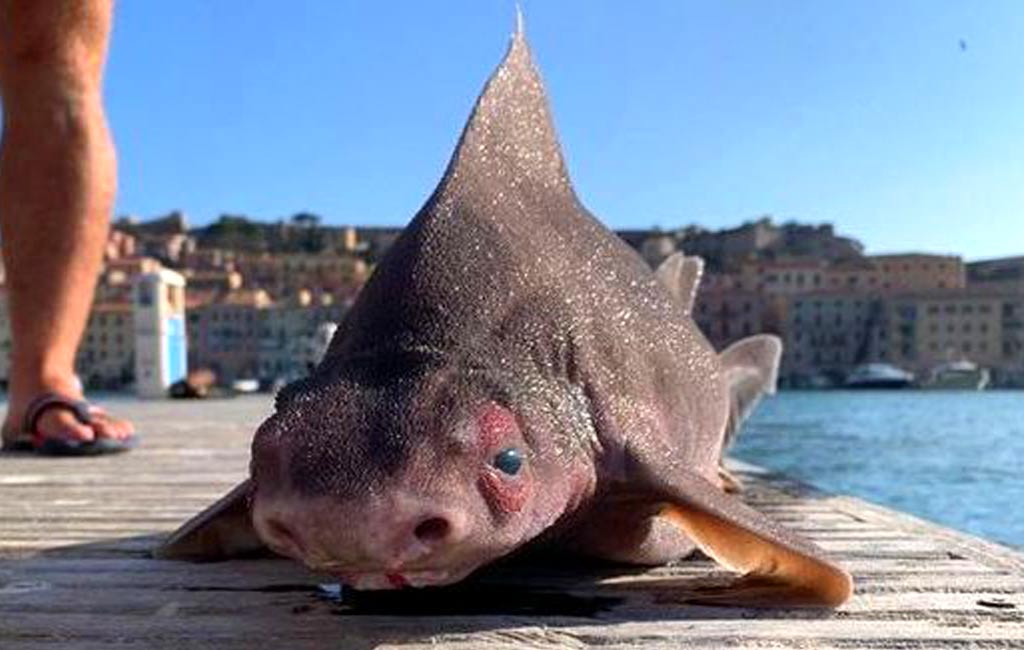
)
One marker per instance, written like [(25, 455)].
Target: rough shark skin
[(507, 320)]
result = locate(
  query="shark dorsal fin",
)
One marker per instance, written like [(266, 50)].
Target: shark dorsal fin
[(509, 141)]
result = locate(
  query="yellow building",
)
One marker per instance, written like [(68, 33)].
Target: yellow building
[(922, 330), (878, 274), (784, 276), (919, 272)]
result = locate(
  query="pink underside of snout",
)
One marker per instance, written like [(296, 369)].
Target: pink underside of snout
[(401, 541)]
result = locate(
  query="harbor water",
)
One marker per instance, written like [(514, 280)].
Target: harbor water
[(956, 458)]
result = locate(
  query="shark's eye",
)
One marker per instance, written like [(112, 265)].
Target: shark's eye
[(508, 461)]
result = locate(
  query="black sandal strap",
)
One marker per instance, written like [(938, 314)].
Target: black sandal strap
[(46, 401)]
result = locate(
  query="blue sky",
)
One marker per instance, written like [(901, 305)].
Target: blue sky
[(866, 114)]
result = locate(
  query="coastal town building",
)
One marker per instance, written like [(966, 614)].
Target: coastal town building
[(224, 333), (288, 347), (919, 272), (165, 238), (246, 334), (826, 333), (106, 356), (288, 273), (876, 274), (1004, 274), (118, 276), (790, 276), (921, 330), (726, 315), (259, 294)]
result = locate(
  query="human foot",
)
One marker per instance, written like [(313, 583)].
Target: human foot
[(53, 423)]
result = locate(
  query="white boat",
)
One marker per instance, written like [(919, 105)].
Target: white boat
[(878, 375), (245, 385), (958, 375)]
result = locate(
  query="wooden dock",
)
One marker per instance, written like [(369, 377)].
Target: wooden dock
[(74, 570)]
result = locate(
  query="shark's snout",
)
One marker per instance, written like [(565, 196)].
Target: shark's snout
[(396, 535)]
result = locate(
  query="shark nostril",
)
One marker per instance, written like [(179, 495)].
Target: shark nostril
[(434, 529)]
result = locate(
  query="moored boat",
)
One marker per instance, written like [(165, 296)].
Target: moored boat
[(878, 375), (957, 375)]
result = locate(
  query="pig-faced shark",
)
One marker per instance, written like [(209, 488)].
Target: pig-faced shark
[(513, 373)]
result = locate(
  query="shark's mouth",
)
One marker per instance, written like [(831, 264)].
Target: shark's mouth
[(399, 579)]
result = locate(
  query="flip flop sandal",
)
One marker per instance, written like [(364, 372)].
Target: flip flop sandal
[(83, 412)]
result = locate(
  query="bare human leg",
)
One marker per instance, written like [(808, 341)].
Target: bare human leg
[(57, 183)]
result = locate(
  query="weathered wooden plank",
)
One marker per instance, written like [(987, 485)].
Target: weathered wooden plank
[(77, 534), (231, 595), (266, 625), (58, 565)]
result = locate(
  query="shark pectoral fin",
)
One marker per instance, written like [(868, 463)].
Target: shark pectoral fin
[(780, 569), (222, 531), (681, 276), (775, 574)]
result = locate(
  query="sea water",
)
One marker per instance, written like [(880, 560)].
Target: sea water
[(956, 458)]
